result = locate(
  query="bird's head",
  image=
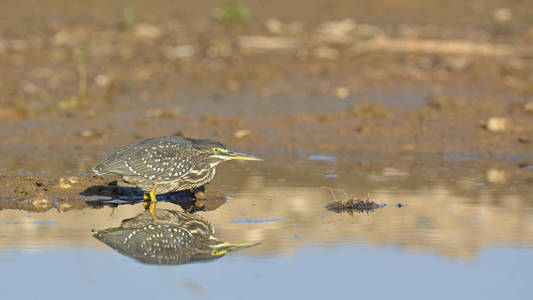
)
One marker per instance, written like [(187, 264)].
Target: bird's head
[(218, 153)]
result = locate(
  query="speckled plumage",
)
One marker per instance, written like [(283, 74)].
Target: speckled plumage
[(173, 163), (177, 238)]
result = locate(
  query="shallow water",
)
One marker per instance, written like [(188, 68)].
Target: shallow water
[(442, 233)]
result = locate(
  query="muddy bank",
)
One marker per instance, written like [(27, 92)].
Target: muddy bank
[(329, 85), (73, 91)]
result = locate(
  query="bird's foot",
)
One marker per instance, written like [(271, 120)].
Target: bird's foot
[(153, 203), (151, 208), (199, 195), (146, 199)]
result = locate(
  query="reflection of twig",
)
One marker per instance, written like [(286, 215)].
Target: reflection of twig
[(331, 190)]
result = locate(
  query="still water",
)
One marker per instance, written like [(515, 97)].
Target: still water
[(442, 233)]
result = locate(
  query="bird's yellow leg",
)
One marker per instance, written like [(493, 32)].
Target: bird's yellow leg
[(153, 202), (146, 198)]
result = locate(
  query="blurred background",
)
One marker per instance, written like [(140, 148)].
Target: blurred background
[(425, 103), (262, 74)]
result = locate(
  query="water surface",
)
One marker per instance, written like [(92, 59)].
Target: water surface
[(440, 234)]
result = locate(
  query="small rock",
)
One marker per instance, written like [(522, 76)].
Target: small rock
[(182, 51), (342, 92), (101, 80), (326, 53), (40, 202), (147, 31), (502, 15), (63, 206), (66, 183), (337, 31), (522, 140), (496, 176), (87, 133), (73, 179), (497, 124), (169, 113), (456, 63), (274, 26), (242, 133), (524, 164), (528, 107)]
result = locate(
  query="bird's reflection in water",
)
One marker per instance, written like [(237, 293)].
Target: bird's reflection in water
[(114, 196), (176, 238)]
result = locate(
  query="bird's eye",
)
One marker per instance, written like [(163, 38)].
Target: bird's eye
[(218, 150)]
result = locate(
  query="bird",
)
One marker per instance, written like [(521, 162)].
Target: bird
[(178, 238), (165, 164)]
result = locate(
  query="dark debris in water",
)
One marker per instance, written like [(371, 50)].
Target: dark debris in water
[(351, 205), (354, 206)]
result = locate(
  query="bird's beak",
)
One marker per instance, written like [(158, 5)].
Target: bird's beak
[(222, 249), (236, 155)]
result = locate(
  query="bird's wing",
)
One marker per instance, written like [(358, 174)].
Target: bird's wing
[(153, 244), (130, 160), (161, 162)]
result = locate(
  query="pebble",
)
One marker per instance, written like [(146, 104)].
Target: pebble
[(338, 31), (169, 113), (274, 26), (147, 31), (497, 124), (66, 183), (502, 15), (528, 107), (101, 80), (242, 133), (40, 202), (456, 63), (326, 53), (496, 176), (342, 92), (181, 51)]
